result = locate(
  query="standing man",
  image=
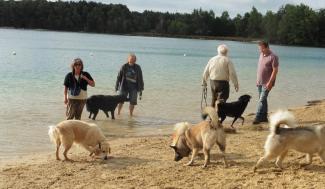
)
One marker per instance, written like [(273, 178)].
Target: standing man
[(220, 70), (129, 82), (267, 69)]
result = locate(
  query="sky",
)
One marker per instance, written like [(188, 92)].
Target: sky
[(233, 7)]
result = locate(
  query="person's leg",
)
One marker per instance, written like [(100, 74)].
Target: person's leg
[(70, 111), (119, 108), (79, 108), (120, 105), (214, 93), (224, 90), (262, 107), (133, 100)]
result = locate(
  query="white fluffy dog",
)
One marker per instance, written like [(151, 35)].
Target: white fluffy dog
[(309, 139), (85, 134)]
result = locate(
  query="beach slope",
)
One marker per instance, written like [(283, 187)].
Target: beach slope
[(147, 162)]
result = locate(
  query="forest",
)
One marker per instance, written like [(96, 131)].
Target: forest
[(297, 25)]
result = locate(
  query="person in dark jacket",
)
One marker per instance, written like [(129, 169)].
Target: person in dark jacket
[(129, 82)]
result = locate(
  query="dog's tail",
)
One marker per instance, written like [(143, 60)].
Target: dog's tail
[(212, 113), (53, 134), (181, 127), (281, 117)]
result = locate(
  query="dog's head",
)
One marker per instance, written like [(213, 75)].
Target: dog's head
[(181, 149), (102, 149), (245, 98), (121, 98)]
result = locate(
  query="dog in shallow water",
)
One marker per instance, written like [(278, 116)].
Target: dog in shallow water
[(308, 139), (233, 109), (105, 103), (203, 135), (86, 134)]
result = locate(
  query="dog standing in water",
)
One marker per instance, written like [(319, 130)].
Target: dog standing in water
[(87, 135), (309, 139), (106, 103)]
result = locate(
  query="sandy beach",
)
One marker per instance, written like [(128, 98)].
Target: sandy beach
[(147, 162)]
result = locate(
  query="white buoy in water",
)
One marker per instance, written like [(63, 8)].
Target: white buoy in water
[(91, 54), (184, 54), (13, 53)]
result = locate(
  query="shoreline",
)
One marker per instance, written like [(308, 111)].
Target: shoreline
[(148, 34), (147, 162), (248, 120)]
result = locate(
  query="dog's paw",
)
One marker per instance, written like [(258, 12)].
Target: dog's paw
[(188, 164), (204, 166)]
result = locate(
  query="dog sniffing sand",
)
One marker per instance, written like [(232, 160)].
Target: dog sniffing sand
[(87, 135), (200, 136)]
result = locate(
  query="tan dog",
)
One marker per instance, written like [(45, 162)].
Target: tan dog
[(201, 136), (87, 135), (309, 139)]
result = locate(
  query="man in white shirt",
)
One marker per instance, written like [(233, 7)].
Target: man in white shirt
[(220, 70)]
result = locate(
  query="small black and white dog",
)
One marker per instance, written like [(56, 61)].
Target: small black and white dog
[(105, 103), (233, 109)]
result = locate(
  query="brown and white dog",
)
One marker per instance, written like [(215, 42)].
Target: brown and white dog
[(308, 139), (85, 134), (204, 135)]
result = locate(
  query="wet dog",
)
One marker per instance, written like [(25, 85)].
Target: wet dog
[(233, 109), (87, 135), (105, 103), (309, 139), (204, 135)]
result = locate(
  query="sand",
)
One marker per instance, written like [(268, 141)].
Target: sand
[(147, 162)]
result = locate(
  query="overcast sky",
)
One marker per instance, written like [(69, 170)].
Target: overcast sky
[(218, 6)]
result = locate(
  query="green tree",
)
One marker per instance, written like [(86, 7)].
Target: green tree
[(298, 25), (270, 26), (254, 24)]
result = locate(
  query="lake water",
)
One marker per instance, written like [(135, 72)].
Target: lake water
[(32, 81)]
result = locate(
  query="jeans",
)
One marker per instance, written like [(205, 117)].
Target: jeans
[(262, 103)]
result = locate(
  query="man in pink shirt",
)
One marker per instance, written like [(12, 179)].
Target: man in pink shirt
[(267, 69)]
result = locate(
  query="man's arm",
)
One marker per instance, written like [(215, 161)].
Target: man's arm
[(270, 83)]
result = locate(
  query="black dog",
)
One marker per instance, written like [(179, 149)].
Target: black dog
[(103, 102), (233, 109)]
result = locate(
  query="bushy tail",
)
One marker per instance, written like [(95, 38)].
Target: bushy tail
[(53, 134), (281, 117), (181, 127), (212, 113)]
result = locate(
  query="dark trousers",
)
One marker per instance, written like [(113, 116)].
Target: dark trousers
[(219, 90), (74, 108)]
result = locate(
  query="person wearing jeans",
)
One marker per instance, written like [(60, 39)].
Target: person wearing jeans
[(266, 74)]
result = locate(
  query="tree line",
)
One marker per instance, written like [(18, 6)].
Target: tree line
[(290, 25)]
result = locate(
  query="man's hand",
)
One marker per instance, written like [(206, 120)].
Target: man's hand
[(236, 88), (65, 101), (269, 86), (140, 95)]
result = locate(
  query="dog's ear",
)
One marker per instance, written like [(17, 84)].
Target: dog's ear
[(172, 146)]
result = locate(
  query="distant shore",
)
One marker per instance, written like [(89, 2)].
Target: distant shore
[(147, 162), (241, 39)]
